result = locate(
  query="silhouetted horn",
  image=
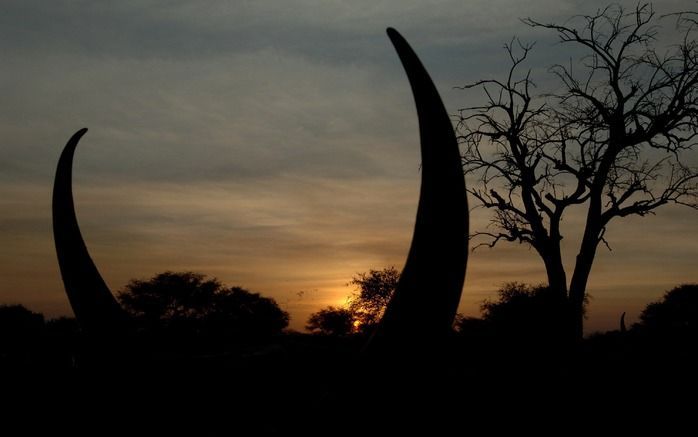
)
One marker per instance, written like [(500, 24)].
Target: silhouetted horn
[(622, 323), (93, 304), (428, 292)]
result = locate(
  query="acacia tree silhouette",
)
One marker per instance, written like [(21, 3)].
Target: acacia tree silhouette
[(375, 289), (331, 321), (612, 140), (190, 301)]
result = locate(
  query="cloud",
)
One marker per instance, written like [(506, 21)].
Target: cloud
[(332, 30)]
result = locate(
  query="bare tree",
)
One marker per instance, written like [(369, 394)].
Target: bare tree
[(613, 140)]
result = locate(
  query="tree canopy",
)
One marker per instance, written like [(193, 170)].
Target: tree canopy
[(18, 319), (190, 300), (374, 290), (535, 313), (677, 311), (331, 321)]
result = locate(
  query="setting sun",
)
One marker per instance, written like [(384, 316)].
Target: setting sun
[(357, 325)]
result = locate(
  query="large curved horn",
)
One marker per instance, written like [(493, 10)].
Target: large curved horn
[(93, 304), (426, 299)]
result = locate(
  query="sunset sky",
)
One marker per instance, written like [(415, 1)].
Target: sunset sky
[(272, 144)]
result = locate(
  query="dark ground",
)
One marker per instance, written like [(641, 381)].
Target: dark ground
[(314, 385)]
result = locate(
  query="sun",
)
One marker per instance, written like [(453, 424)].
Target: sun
[(357, 325)]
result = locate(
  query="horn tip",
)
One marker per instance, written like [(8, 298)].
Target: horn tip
[(77, 135), (74, 140), (392, 32)]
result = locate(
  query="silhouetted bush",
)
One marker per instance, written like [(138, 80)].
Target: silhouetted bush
[(527, 310), (20, 334), (375, 288), (189, 303), (63, 326), (16, 321), (675, 314), (331, 321), (240, 312), (472, 327)]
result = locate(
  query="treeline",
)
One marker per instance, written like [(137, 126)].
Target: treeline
[(186, 313), (222, 358), (534, 312), (173, 315)]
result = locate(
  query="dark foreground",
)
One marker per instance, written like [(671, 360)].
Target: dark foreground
[(314, 385)]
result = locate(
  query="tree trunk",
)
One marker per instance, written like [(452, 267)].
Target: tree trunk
[(582, 267), (577, 292), (590, 241), (557, 280), (555, 270)]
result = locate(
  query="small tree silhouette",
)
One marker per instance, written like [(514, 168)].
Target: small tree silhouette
[(331, 321), (532, 313), (20, 332), (18, 320), (236, 311), (675, 313), (375, 288)]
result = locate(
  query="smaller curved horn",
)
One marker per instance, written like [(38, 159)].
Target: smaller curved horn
[(94, 306)]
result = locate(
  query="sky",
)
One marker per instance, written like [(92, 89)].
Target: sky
[(271, 144)]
